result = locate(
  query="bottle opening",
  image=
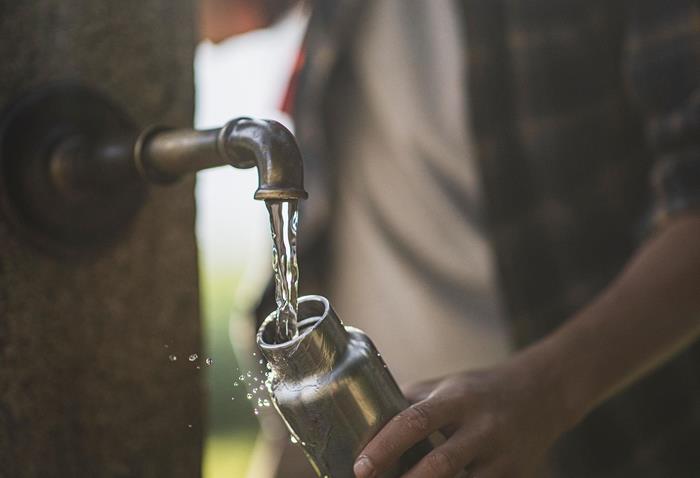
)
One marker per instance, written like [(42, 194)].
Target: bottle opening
[(312, 310)]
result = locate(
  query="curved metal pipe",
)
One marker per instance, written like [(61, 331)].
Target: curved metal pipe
[(270, 146), (162, 155)]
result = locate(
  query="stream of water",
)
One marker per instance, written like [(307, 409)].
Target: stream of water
[(284, 218)]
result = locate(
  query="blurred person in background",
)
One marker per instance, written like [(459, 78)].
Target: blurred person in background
[(481, 166)]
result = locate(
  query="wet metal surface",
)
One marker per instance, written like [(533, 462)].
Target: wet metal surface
[(331, 387)]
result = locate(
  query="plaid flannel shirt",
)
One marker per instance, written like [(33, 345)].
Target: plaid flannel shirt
[(586, 115)]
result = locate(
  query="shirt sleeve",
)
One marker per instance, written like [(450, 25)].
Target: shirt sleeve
[(662, 62)]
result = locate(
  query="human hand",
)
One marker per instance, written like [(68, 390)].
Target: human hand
[(498, 423)]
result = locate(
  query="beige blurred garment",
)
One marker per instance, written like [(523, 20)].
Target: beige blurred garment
[(411, 265)]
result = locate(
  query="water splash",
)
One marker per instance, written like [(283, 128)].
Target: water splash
[(253, 385)]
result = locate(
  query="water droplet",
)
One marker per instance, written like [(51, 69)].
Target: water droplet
[(172, 358), (266, 403), (165, 345), (198, 367), (254, 354), (233, 398), (261, 361), (293, 439), (256, 411), (255, 379), (193, 357), (249, 374), (261, 387), (189, 426), (209, 361), (269, 367), (235, 384), (249, 396), (241, 377)]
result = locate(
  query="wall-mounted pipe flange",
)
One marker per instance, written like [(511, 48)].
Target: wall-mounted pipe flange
[(67, 120)]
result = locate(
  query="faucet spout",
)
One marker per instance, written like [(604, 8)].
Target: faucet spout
[(267, 144)]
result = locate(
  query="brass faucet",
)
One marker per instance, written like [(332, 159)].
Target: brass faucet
[(162, 155), (73, 168)]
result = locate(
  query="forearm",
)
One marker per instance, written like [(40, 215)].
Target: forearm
[(650, 312), (501, 421)]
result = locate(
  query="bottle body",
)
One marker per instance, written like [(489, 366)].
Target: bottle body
[(332, 389)]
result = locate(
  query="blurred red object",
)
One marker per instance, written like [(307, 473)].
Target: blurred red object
[(287, 105), (222, 19)]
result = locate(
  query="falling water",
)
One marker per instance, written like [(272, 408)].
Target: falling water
[(284, 217)]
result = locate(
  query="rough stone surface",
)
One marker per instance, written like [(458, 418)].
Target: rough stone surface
[(86, 387)]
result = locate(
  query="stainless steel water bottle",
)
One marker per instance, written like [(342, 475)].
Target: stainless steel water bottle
[(332, 389)]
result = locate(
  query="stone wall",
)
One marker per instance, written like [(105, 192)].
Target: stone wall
[(86, 387)]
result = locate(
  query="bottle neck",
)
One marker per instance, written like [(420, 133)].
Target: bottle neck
[(321, 341)]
